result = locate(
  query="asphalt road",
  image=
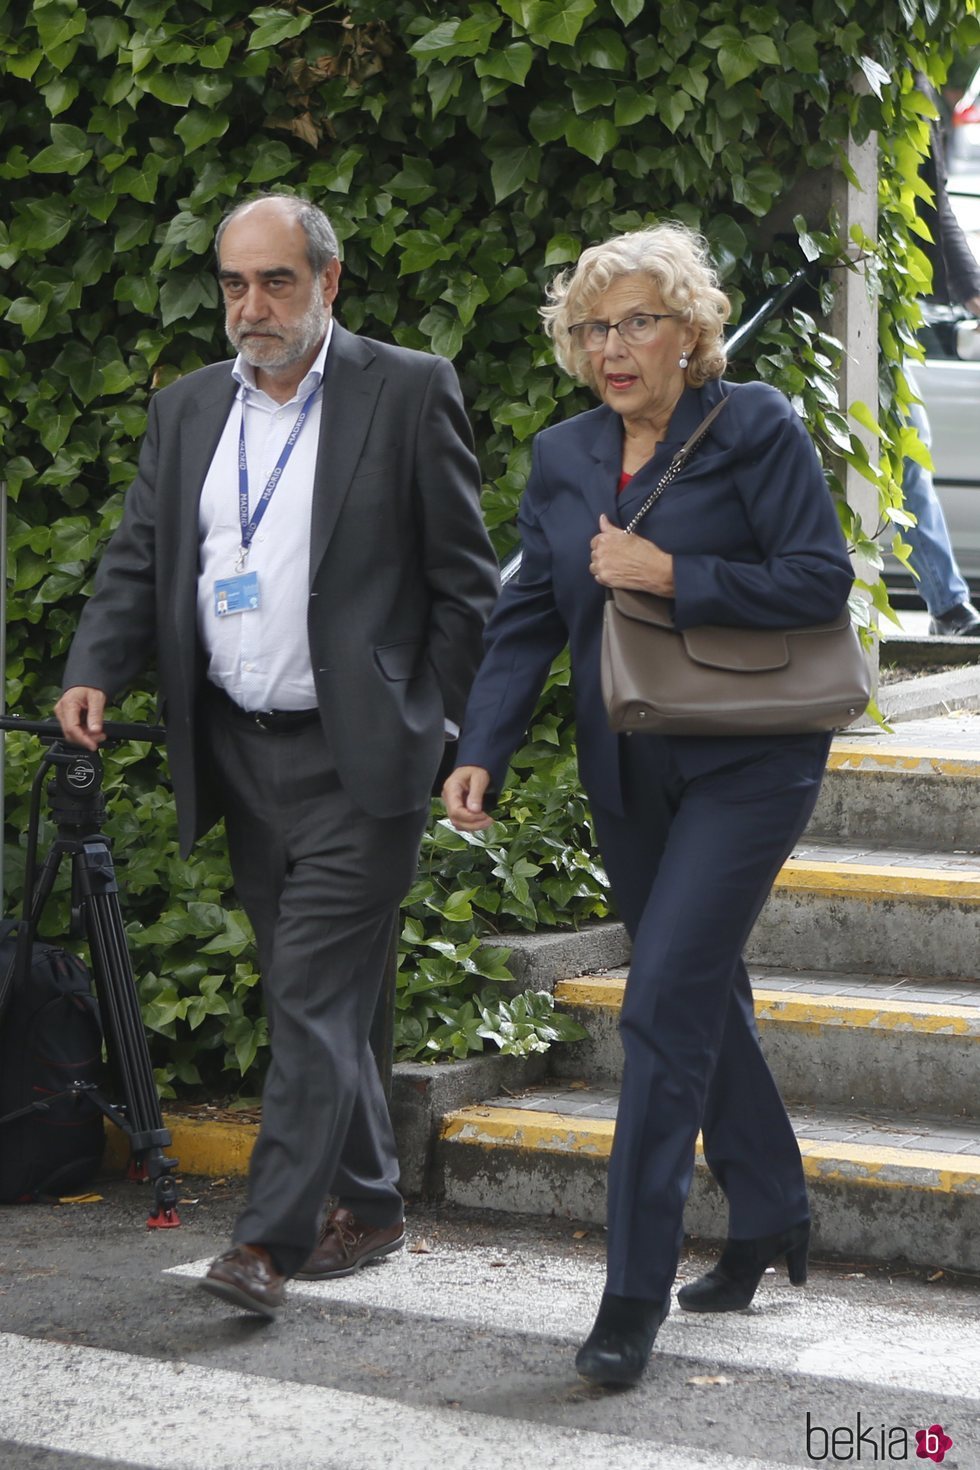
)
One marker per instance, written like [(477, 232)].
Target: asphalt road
[(456, 1353)]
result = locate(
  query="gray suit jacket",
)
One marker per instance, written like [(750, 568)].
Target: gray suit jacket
[(402, 575)]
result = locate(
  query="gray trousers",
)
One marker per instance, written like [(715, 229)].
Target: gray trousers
[(320, 880)]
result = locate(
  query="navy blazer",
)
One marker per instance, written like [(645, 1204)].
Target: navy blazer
[(756, 542)]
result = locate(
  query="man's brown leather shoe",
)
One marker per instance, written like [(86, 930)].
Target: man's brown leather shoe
[(246, 1277), (346, 1244)]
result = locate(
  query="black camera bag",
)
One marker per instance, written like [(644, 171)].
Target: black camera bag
[(51, 1134)]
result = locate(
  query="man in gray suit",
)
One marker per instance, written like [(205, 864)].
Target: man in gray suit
[(303, 553)]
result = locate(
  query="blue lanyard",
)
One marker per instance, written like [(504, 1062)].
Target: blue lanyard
[(250, 526)]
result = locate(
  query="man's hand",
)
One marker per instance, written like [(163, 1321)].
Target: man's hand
[(463, 794), (79, 712), (621, 560), (972, 305)]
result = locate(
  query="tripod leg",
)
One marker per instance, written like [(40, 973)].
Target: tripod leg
[(125, 1035)]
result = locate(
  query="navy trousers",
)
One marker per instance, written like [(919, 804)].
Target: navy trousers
[(691, 865)]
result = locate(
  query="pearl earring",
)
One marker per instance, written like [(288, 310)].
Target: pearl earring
[(684, 361)]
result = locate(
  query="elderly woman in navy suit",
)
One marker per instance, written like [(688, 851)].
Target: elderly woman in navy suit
[(692, 830)]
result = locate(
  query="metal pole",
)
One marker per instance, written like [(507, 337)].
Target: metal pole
[(3, 672)]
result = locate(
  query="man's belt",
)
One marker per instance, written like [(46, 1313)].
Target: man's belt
[(273, 720)]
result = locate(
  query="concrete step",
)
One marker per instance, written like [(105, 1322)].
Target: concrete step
[(842, 1041), (897, 911), (917, 786), (835, 906), (880, 1189)]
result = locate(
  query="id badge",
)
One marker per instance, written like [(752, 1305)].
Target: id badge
[(236, 594)]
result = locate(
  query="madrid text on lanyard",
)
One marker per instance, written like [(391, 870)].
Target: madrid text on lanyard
[(240, 593)]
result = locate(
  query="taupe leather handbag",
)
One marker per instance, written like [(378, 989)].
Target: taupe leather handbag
[(724, 681)]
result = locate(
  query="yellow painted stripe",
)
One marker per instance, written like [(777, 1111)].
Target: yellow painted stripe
[(880, 1167), (523, 1128), (872, 881), (793, 1007), (864, 1165), (789, 1007), (201, 1146), (921, 760), (591, 990)]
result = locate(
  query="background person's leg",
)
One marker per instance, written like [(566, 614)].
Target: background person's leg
[(940, 583)]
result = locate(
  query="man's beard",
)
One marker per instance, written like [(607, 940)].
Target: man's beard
[(274, 349)]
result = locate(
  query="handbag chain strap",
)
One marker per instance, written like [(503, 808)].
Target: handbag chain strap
[(676, 465)]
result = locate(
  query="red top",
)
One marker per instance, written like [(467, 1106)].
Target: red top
[(624, 480)]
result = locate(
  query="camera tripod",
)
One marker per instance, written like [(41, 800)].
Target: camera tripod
[(77, 806)]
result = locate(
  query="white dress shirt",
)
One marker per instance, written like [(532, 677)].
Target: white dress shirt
[(261, 658)]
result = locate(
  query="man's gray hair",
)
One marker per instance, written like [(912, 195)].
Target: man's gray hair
[(321, 240)]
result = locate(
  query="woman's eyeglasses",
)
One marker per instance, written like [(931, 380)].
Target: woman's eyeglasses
[(633, 330)]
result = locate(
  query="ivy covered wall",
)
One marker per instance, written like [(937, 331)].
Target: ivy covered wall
[(464, 153)]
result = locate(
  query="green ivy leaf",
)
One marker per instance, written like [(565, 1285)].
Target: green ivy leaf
[(421, 249), (67, 153), (172, 87), (562, 248), (141, 291), (215, 54), (182, 295), (512, 64), (26, 313), (466, 293), (604, 49), (801, 41), (632, 107), (59, 27), (741, 59), (559, 22), (190, 231), (25, 65), (590, 92), (272, 26), (60, 94), (593, 137), (337, 175), (110, 34), (444, 84), (139, 182), (458, 908), (511, 168), (674, 109), (444, 330), (547, 121), (196, 128), (414, 182), (77, 363)]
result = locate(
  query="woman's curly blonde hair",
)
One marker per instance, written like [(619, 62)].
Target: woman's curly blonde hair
[(676, 260)]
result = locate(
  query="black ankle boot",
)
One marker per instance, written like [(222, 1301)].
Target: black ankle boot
[(731, 1285), (617, 1349)]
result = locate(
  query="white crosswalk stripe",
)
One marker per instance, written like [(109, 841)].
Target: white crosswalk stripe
[(90, 1402)]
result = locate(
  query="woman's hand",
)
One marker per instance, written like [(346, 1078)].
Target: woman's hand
[(463, 794), (619, 560)]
